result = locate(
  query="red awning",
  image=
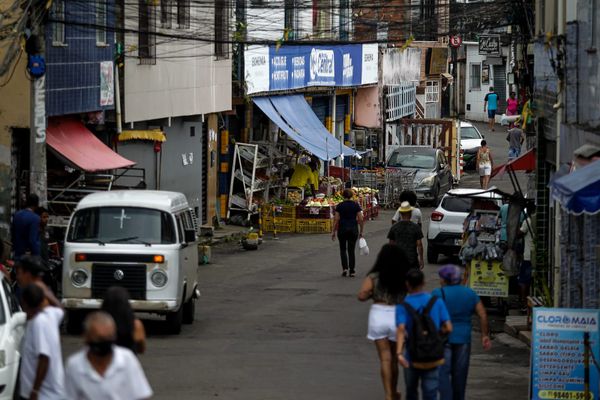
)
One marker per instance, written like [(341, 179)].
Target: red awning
[(525, 162), (72, 140)]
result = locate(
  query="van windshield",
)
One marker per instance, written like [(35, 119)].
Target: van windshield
[(124, 225)]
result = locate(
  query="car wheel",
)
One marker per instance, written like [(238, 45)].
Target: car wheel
[(175, 320), (74, 324), (189, 311), (432, 254)]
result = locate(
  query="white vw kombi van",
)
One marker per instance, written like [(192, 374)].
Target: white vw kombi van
[(142, 240)]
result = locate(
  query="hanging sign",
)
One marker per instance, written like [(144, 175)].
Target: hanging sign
[(489, 45), (455, 41)]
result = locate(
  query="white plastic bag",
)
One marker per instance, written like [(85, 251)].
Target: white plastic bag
[(363, 247)]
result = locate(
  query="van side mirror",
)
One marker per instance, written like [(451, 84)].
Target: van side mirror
[(190, 235)]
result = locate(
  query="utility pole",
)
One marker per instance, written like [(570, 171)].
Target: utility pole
[(37, 137)]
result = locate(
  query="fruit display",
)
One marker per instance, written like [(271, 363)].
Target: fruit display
[(364, 190), (331, 181), (294, 197)]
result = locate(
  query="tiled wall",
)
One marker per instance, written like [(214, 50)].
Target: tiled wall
[(73, 69)]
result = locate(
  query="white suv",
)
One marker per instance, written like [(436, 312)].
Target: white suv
[(446, 226)]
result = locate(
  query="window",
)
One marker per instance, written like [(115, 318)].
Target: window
[(13, 303), (101, 22), (183, 14), (322, 18), (475, 77), (58, 28), (457, 204), (125, 225), (146, 37), (221, 29), (165, 14), (291, 19), (345, 20)]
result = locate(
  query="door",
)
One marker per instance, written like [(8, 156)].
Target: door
[(187, 255), (500, 87), (444, 174), (190, 255)]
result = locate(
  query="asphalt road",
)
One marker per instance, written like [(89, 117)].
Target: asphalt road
[(281, 323)]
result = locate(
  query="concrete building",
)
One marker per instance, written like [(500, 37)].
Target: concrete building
[(567, 85), (176, 80)]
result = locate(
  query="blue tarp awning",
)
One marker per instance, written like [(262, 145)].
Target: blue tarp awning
[(579, 191), (293, 115)]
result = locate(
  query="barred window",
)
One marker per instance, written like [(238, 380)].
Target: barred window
[(475, 76)]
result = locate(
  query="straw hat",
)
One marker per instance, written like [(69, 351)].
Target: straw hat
[(405, 207)]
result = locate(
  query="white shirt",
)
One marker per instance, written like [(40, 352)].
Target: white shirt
[(124, 378), (42, 337), (415, 216)]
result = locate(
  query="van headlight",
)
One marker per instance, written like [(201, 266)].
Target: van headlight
[(79, 277), (159, 278)]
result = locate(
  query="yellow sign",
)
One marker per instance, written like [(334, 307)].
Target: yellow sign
[(486, 278), (565, 394)]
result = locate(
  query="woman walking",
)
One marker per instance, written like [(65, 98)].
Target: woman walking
[(485, 164), (385, 286), (462, 302), (348, 224), (130, 330)]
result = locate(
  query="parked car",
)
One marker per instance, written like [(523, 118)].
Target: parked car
[(470, 141), (142, 240), (12, 328), (433, 176), (445, 233)]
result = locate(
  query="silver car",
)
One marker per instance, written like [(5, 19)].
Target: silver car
[(433, 176)]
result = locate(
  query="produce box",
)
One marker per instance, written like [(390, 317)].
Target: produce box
[(280, 211), (307, 212), (313, 225), (283, 225)]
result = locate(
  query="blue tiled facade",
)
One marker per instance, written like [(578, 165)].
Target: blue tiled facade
[(73, 68)]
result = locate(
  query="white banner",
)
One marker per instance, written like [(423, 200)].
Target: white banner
[(107, 84), (370, 62), (256, 63)]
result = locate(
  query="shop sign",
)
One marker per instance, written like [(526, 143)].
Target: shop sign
[(489, 45), (107, 84), (558, 346), (271, 68), (487, 278)]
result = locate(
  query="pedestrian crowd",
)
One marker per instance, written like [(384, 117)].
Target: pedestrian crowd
[(427, 334), (107, 366)]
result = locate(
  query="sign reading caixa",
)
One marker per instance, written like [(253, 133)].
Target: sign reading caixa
[(268, 68), (490, 45)]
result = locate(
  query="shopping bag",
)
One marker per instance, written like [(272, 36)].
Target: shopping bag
[(363, 247)]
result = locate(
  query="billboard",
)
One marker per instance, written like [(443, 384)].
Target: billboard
[(558, 369), (268, 68)]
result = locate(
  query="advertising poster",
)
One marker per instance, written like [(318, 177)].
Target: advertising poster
[(107, 84), (486, 278), (268, 68), (558, 368)]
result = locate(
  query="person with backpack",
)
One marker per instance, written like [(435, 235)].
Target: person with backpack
[(462, 302), (422, 321), (385, 286)]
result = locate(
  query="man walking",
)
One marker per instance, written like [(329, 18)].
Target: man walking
[(104, 370), (490, 103), (421, 320), (515, 138), (26, 229), (408, 236), (41, 374)]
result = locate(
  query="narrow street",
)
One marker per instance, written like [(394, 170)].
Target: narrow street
[(280, 323)]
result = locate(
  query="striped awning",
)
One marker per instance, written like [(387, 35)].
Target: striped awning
[(155, 135)]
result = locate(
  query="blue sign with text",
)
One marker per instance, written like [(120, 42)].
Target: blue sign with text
[(271, 68), (558, 366)]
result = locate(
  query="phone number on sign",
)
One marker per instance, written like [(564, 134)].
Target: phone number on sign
[(559, 394)]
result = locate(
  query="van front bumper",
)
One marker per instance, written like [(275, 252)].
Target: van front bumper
[(137, 305)]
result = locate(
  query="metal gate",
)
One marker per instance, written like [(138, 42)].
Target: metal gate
[(500, 87)]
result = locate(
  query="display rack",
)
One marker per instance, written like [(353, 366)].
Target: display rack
[(252, 177)]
